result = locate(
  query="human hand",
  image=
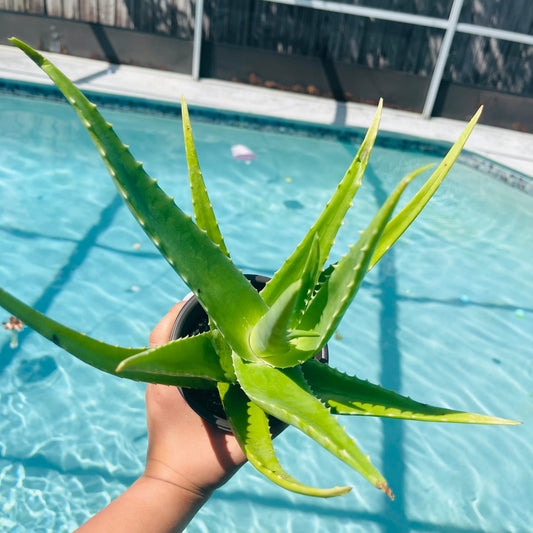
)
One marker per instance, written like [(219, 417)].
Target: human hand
[(183, 449), (187, 460)]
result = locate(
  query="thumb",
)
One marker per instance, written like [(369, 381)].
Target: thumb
[(161, 333)]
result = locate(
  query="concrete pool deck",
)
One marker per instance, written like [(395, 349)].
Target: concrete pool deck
[(510, 148)]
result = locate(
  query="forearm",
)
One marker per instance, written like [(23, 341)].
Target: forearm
[(150, 504)]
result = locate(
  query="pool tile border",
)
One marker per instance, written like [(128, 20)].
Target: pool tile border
[(353, 134)]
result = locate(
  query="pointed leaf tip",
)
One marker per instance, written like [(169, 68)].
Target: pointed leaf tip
[(409, 212), (300, 408), (251, 428), (203, 210), (386, 489), (29, 51), (330, 220)]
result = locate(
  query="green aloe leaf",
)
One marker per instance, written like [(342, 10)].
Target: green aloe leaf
[(329, 221), (309, 278), (98, 354), (349, 395), (231, 302), (273, 341), (203, 210), (405, 217), (270, 335), (188, 357), (250, 426), (285, 394), (337, 290)]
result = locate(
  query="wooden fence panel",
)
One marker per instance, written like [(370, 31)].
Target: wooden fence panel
[(88, 10), (71, 10), (54, 8), (123, 14), (343, 39), (333, 36), (511, 15), (142, 15), (106, 12), (35, 7)]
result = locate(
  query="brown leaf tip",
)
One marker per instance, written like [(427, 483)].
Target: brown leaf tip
[(386, 489)]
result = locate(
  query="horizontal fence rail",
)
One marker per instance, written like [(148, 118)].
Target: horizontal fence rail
[(370, 12), (409, 18), (450, 25)]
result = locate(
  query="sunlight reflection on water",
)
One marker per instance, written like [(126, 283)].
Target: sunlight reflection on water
[(437, 320)]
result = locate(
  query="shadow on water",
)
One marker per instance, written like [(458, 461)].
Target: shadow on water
[(328, 509), (31, 235), (393, 518), (63, 275), (391, 377), (38, 463)]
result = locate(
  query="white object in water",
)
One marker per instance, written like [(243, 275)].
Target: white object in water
[(14, 325), (242, 153)]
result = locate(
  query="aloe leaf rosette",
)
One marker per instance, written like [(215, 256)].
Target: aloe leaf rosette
[(259, 350)]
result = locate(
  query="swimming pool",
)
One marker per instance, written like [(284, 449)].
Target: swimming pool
[(446, 318)]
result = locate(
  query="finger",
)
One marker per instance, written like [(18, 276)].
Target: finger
[(161, 333)]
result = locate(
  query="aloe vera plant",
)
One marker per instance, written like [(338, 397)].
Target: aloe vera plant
[(259, 350)]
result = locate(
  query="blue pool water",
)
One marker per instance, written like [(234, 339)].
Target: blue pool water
[(446, 318)]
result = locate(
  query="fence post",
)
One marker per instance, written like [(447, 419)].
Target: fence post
[(197, 41), (444, 51)]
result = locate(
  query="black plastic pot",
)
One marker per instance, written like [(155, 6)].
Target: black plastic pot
[(191, 320)]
